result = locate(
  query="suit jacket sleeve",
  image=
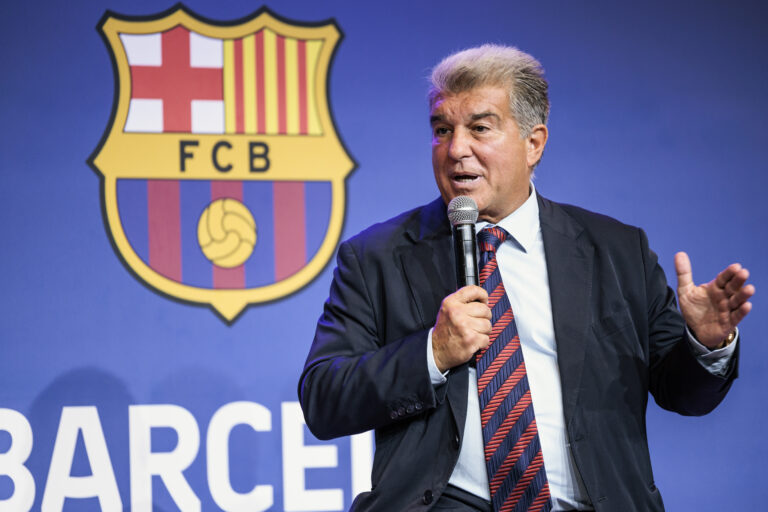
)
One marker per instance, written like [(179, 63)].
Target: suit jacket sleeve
[(356, 377), (678, 381)]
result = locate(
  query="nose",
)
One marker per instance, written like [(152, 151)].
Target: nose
[(460, 145)]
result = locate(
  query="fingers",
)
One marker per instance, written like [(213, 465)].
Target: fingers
[(479, 310), (731, 271), (683, 269), (737, 280), (713, 309), (469, 300), (462, 328), (470, 293), (733, 280), (480, 325), (470, 312), (741, 296), (739, 314)]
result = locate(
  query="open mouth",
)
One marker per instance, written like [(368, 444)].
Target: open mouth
[(465, 178)]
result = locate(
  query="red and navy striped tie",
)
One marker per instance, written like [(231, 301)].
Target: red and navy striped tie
[(512, 449)]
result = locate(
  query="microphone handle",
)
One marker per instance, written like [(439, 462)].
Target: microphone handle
[(465, 250)]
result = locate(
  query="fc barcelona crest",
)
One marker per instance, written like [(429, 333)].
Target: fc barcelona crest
[(223, 174)]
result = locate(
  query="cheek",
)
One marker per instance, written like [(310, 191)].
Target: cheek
[(438, 159)]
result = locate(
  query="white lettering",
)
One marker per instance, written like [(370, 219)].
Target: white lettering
[(61, 484), (361, 454), (167, 465), (296, 458), (12, 461), (223, 421), (170, 465)]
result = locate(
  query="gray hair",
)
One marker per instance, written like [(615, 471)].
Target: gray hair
[(497, 65)]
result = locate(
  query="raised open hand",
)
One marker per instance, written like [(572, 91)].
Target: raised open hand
[(713, 310)]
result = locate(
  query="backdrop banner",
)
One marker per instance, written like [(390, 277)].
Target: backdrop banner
[(176, 179)]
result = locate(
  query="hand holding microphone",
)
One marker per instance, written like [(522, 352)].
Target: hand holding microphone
[(463, 323)]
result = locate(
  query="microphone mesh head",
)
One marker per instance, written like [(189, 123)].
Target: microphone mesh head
[(462, 210)]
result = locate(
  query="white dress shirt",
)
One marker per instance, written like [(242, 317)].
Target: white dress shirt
[(524, 273)]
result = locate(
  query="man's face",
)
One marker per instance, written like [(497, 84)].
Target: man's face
[(477, 151)]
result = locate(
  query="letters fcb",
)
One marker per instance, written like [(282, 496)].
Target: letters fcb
[(258, 155), (222, 170)]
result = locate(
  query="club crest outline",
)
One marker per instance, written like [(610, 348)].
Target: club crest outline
[(222, 171)]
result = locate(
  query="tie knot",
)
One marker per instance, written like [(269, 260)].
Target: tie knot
[(489, 239)]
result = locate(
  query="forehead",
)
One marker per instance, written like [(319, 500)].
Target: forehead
[(465, 104)]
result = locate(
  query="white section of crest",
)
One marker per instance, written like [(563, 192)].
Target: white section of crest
[(207, 116), (145, 116), (205, 52), (143, 50)]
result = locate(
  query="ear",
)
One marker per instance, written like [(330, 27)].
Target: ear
[(534, 144)]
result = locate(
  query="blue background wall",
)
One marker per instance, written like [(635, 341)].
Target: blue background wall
[(659, 118)]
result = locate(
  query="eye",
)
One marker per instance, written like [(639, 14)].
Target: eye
[(441, 131), (480, 128)]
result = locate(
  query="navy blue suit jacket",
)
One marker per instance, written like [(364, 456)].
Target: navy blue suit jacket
[(618, 332)]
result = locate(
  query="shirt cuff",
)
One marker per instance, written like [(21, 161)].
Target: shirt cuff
[(435, 375), (717, 361)]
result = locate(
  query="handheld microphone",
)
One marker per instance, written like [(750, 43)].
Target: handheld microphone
[(462, 212)]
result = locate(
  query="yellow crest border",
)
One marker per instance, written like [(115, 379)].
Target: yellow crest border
[(337, 164)]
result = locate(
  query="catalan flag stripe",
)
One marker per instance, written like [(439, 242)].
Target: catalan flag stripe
[(249, 83), (313, 57), (270, 84), (301, 65), (239, 94), (261, 101)]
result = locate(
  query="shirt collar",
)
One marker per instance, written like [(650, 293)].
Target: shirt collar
[(522, 224)]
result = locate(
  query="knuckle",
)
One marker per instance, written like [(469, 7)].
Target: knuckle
[(448, 308), (483, 341)]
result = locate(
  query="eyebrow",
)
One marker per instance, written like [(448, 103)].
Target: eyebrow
[(436, 119), (483, 115), (474, 117)]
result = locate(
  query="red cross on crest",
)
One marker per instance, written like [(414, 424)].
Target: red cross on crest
[(176, 82)]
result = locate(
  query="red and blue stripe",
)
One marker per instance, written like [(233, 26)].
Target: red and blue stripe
[(160, 219)]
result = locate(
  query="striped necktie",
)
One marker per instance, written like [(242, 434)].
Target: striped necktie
[(512, 450)]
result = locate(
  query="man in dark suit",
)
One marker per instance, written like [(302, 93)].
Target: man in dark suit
[(598, 327)]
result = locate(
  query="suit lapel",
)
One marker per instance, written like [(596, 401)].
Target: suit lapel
[(428, 261), (570, 259), (429, 267)]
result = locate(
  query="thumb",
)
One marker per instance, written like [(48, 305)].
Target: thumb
[(683, 268)]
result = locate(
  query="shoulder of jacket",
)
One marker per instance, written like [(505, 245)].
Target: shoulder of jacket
[(594, 222), (392, 232)]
